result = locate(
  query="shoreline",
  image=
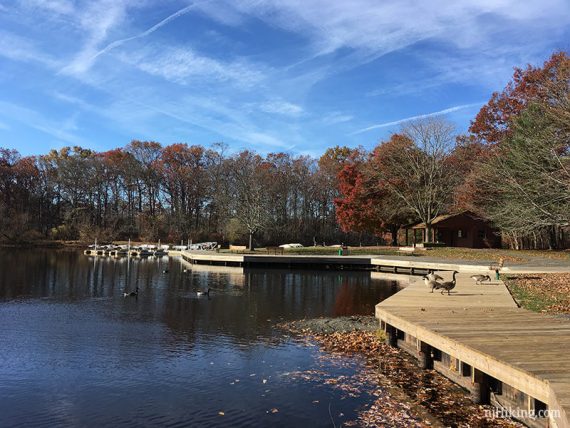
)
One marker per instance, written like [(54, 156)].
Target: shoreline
[(391, 375)]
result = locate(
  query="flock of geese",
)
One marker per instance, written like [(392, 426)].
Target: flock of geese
[(135, 293), (436, 282)]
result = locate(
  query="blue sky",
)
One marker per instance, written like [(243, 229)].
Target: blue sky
[(269, 75)]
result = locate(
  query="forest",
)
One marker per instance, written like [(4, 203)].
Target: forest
[(511, 167)]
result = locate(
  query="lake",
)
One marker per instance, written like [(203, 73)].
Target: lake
[(74, 351)]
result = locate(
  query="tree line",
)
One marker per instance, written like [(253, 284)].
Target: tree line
[(512, 167), (175, 193)]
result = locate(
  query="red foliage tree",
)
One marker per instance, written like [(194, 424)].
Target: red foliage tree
[(465, 160), (356, 209), (493, 122), (366, 203)]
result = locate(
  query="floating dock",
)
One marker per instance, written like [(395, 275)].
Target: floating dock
[(374, 263), (478, 337)]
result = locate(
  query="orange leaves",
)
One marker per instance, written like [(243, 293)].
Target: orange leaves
[(402, 395), (493, 122)]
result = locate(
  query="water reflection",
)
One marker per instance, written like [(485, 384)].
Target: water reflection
[(74, 351)]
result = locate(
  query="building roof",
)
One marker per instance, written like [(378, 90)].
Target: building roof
[(443, 217)]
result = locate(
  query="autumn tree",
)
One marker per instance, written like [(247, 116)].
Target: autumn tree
[(466, 159), (531, 84), (356, 208), (326, 183), (414, 167)]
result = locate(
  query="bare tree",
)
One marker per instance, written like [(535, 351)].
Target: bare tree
[(251, 202), (414, 166)]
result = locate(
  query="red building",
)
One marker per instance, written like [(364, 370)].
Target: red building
[(456, 230)]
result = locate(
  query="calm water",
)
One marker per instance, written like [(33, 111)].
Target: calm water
[(73, 351)]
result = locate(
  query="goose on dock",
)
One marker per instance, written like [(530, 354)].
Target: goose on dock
[(431, 276), (448, 285), (480, 278), (431, 283), (132, 293)]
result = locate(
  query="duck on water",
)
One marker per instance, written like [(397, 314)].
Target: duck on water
[(132, 293)]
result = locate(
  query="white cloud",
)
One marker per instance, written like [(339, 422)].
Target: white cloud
[(336, 117), (370, 28), (420, 116), (59, 7), (263, 139), (97, 20), (115, 44), (281, 107), (38, 121), (184, 65), (19, 48)]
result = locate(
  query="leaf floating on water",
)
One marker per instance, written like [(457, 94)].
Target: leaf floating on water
[(221, 413), (381, 370), (264, 380), (274, 410)]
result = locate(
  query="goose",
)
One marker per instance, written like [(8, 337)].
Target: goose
[(132, 293), (480, 278), (431, 276), (431, 283), (448, 285), (165, 271), (186, 270), (203, 293)]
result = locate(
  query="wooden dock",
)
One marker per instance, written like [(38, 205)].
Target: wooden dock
[(481, 339), (287, 261), (405, 264)]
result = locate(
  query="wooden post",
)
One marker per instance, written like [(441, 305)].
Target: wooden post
[(391, 336), (479, 387), (425, 358)]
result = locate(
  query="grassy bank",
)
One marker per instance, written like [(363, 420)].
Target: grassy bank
[(547, 293), (333, 251), (482, 254), (495, 253)]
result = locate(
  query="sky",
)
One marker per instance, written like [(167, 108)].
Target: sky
[(297, 76)]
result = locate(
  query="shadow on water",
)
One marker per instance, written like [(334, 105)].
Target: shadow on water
[(77, 352)]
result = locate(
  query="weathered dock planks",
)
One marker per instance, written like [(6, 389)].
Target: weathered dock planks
[(482, 327)]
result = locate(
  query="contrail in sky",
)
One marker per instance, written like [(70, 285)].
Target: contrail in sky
[(151, 30), (421, 116)]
